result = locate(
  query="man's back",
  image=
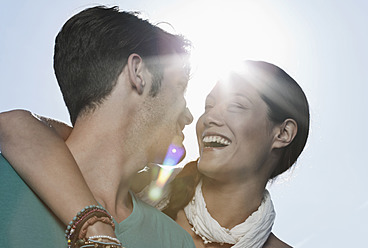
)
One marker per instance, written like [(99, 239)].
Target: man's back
[(25, 220), (148, 227)]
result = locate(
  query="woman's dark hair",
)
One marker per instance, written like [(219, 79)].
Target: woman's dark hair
[(93, 47), (284, 98), (182, 189)]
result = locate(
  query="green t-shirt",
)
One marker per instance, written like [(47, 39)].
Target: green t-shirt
[(27, 222)]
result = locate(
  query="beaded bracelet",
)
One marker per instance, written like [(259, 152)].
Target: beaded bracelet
[(74, 227)]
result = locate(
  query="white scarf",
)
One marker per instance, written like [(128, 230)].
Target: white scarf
[(253, 232)]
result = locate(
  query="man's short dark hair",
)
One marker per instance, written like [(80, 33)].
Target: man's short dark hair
[(93, 46)]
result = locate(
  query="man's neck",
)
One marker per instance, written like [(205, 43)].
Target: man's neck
[(106, 167)]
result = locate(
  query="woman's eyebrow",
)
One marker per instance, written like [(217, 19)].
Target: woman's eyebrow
[(243, 96), (209, 96)]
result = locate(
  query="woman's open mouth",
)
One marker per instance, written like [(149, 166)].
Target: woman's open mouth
[(215, 141)]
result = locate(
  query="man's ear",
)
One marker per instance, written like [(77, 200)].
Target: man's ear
[(135, 69), (285, 133)]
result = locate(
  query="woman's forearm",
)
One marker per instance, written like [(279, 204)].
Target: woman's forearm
[(42, 159)]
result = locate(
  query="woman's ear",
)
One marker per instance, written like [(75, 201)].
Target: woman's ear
[(135, 69), (285, 133)]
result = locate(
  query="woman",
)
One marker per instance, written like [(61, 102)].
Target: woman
[(254, 127)]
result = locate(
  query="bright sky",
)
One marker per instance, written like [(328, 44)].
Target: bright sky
[(322, 44)]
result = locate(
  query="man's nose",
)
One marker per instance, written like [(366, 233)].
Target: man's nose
[(188, 117)]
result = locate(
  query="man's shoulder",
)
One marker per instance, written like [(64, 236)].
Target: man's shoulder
[(11, 184), (274, 242), (8, 175), (3, 160), (171, 233), (153, 213), (23, 215)]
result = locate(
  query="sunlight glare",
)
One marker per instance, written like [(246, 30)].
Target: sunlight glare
[(173, 156)]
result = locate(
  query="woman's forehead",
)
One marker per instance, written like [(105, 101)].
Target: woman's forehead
[(231, 88)]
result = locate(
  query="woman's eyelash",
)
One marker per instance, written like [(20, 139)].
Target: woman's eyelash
[(235, 106), (208, 106)]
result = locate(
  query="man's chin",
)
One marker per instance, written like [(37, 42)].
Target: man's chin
[(183, 156)]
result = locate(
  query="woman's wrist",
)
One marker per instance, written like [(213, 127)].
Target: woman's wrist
[(100, 228)]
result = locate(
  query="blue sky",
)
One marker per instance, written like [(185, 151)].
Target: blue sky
[(323, 202)]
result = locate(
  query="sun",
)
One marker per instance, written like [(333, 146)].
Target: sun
[(223, 34)]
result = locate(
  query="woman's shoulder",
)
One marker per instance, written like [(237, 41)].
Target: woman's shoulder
[(274, 242)]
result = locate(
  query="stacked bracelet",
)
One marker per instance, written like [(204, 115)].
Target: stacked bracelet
[(96, 241), (81, 222), (90, 222)]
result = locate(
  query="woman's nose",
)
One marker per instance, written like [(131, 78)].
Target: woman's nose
[(213, 117)]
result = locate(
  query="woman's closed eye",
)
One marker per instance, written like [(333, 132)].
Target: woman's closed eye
[(207, 107), (235, 107)]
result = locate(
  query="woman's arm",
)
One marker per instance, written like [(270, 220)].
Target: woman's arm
[(37, 151), (62, 129)]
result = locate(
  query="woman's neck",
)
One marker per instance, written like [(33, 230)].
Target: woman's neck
[(231, 204)]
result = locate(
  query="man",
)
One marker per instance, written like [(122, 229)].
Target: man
[(123, 82)]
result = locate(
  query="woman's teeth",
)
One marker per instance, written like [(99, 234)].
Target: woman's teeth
[(215, 141)]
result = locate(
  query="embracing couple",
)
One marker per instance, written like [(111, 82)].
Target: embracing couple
[(123, 81)]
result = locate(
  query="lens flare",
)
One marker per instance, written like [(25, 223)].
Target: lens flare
[(155, 193), (173, 155), (172, 158)]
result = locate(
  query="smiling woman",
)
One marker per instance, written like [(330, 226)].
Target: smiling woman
[(247, 136)]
